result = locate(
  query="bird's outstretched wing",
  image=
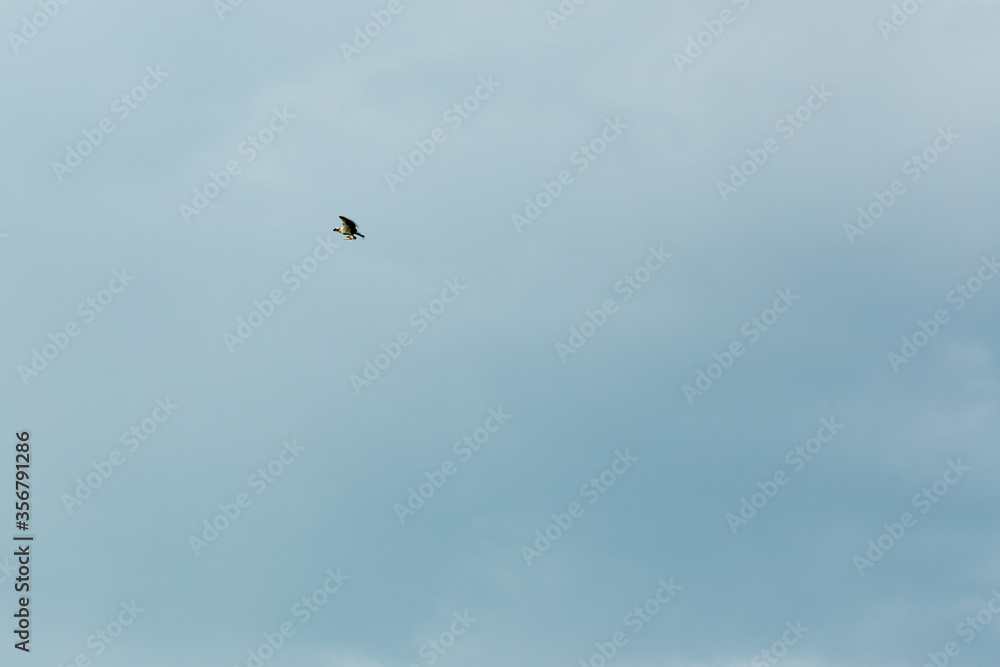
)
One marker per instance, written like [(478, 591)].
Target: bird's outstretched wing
[(351, 227)]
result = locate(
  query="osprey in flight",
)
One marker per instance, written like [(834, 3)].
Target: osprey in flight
[(349, 229)]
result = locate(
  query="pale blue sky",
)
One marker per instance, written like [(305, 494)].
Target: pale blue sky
[(634, 260)]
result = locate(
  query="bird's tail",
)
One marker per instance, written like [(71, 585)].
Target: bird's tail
[(361, 235)]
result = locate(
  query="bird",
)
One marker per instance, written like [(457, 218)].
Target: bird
[(348, 229)]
